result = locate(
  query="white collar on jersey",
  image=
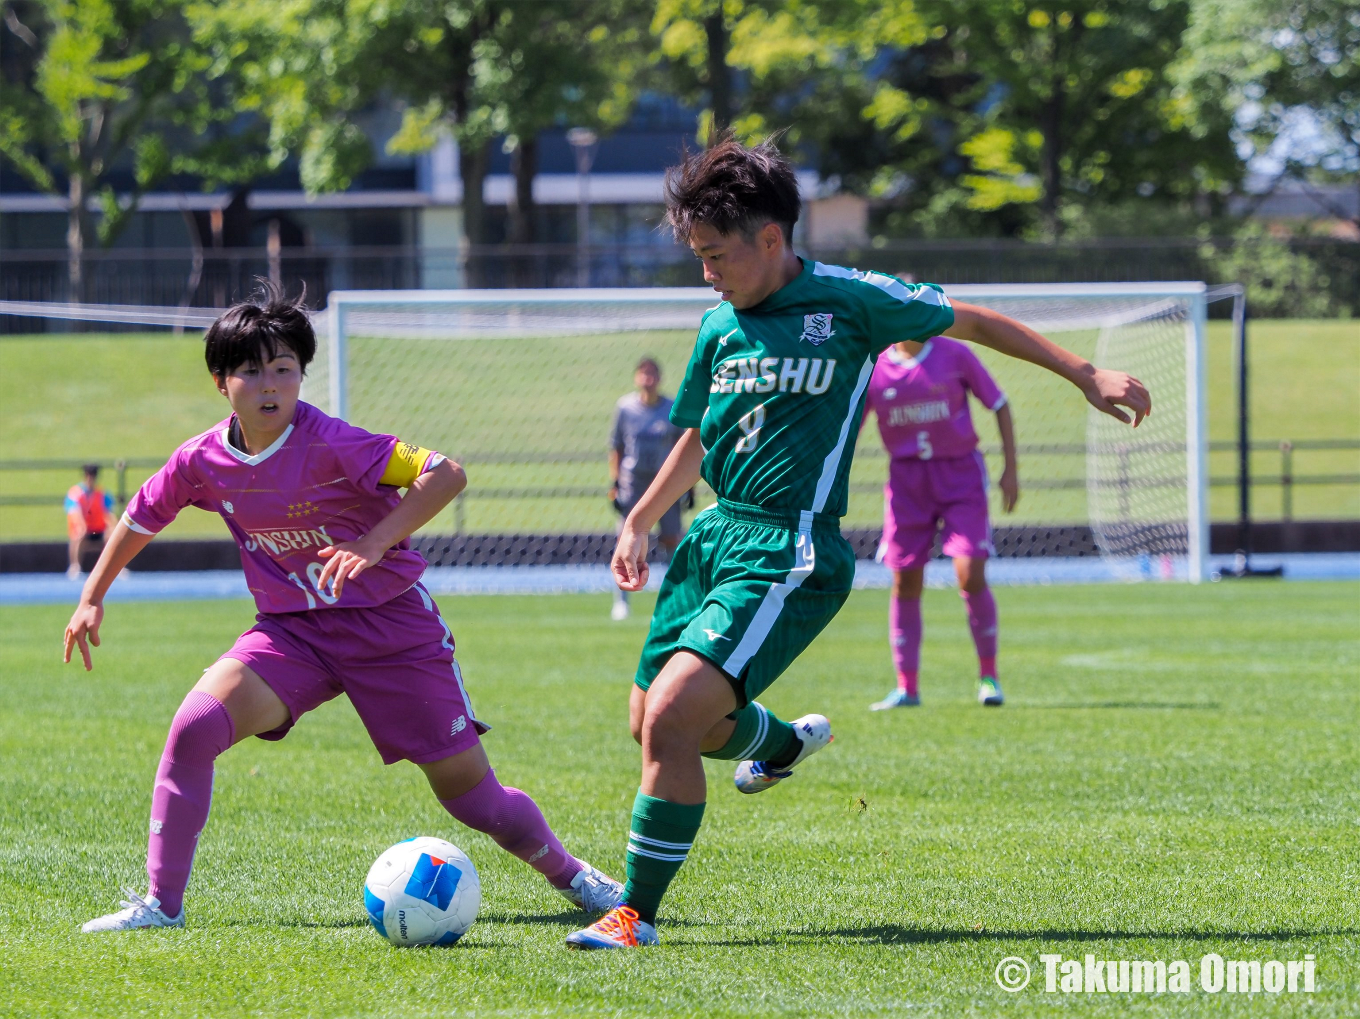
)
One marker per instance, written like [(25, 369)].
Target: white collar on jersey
[(260, 457), (909, 362)]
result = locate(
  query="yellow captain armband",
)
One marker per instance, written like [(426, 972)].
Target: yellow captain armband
[(407, 463)]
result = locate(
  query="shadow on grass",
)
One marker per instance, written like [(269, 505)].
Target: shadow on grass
[(571, 918), (1136, 705), (898, 934)]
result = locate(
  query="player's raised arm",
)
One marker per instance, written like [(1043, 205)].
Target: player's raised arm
[(677, 476), (427, 494), (1106, 390), (122, 548)]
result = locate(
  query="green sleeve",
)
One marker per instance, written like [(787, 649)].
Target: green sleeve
[(691, 402), (905, 311)]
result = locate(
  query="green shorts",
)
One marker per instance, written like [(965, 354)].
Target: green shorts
[(748, 589)]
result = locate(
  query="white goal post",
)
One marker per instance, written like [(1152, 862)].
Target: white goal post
[(521, 384)]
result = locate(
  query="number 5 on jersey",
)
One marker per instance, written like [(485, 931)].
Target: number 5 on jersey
[(750, 424)]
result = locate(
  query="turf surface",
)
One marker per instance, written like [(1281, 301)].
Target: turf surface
[(133, 396), (1174, 774)]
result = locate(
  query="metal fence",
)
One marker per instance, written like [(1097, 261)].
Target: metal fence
[(1286, 479), (215, 277)]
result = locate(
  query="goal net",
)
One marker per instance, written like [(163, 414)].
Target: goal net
[(520, 387)]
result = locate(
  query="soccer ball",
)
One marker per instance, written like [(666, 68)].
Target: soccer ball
[(423, 891)]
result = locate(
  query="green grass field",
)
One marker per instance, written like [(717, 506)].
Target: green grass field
[(134, 396), (1175, 774)]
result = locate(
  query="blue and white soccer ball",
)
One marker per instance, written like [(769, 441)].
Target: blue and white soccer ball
[(423, 891)]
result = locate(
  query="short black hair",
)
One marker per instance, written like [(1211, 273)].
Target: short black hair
[(649, 362), (733, 188), (92, 470), (254, 331)]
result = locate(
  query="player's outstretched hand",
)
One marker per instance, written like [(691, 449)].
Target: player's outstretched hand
[(84, 625), (1108, 388), (629, 564), (348, 559)]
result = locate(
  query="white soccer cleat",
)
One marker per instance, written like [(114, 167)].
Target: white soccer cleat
[(621, 927), (814, 732), (989, 692), (619, 612), (593, 890), (139, 914)]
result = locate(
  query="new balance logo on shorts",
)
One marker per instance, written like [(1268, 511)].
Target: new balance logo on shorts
[(459, 724)]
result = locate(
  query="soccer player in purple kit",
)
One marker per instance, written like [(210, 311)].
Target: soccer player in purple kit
[(314, 504), (919, 394)]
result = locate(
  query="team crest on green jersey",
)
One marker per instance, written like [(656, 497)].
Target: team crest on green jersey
[(817, 328)]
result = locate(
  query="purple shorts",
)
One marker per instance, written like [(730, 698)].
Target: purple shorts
[(394, 661), (922, 493)]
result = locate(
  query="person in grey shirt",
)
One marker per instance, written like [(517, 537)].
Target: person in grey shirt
[(639, 442)]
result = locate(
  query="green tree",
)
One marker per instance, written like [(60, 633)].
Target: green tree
[(1049, 107), (473, 69), (1266, 66), (104, 87)]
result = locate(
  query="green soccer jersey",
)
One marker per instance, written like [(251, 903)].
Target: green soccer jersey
[(777, 390)]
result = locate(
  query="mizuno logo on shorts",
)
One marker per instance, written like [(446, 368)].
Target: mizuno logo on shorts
[(459, 724)]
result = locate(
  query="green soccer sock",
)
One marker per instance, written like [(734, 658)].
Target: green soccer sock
[(759, 736), (658, 842)]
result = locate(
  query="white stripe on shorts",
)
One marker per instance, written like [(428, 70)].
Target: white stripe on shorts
[(773, 604), (448, 643)]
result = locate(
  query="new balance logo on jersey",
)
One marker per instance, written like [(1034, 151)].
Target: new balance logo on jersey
[(459, 724), (817, 328), (766, 374), (715, 635), (919, 413)]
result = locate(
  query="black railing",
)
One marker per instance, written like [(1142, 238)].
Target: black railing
[(1286, 478)]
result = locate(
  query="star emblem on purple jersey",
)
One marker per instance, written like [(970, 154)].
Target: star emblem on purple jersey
[(297, 510)]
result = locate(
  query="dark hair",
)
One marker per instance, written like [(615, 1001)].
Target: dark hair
[(92, 470), (732, 188), (649, 362), (254, 331)]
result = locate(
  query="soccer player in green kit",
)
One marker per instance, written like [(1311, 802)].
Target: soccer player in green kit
[(771, 405)]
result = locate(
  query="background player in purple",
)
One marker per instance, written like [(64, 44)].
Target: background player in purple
[(315, 506), (919, 394)]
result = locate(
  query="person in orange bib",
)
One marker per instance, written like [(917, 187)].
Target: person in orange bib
[(87, 518)]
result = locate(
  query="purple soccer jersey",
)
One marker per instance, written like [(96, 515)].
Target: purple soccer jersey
[(921, 402), (317, 485)]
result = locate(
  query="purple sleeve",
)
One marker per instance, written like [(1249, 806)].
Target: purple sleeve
[(361, 456), (163, 495), (979, 381)]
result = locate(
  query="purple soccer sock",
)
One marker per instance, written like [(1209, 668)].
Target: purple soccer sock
[(904, 634), (516, 824), (982, 621), (201, 730)]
